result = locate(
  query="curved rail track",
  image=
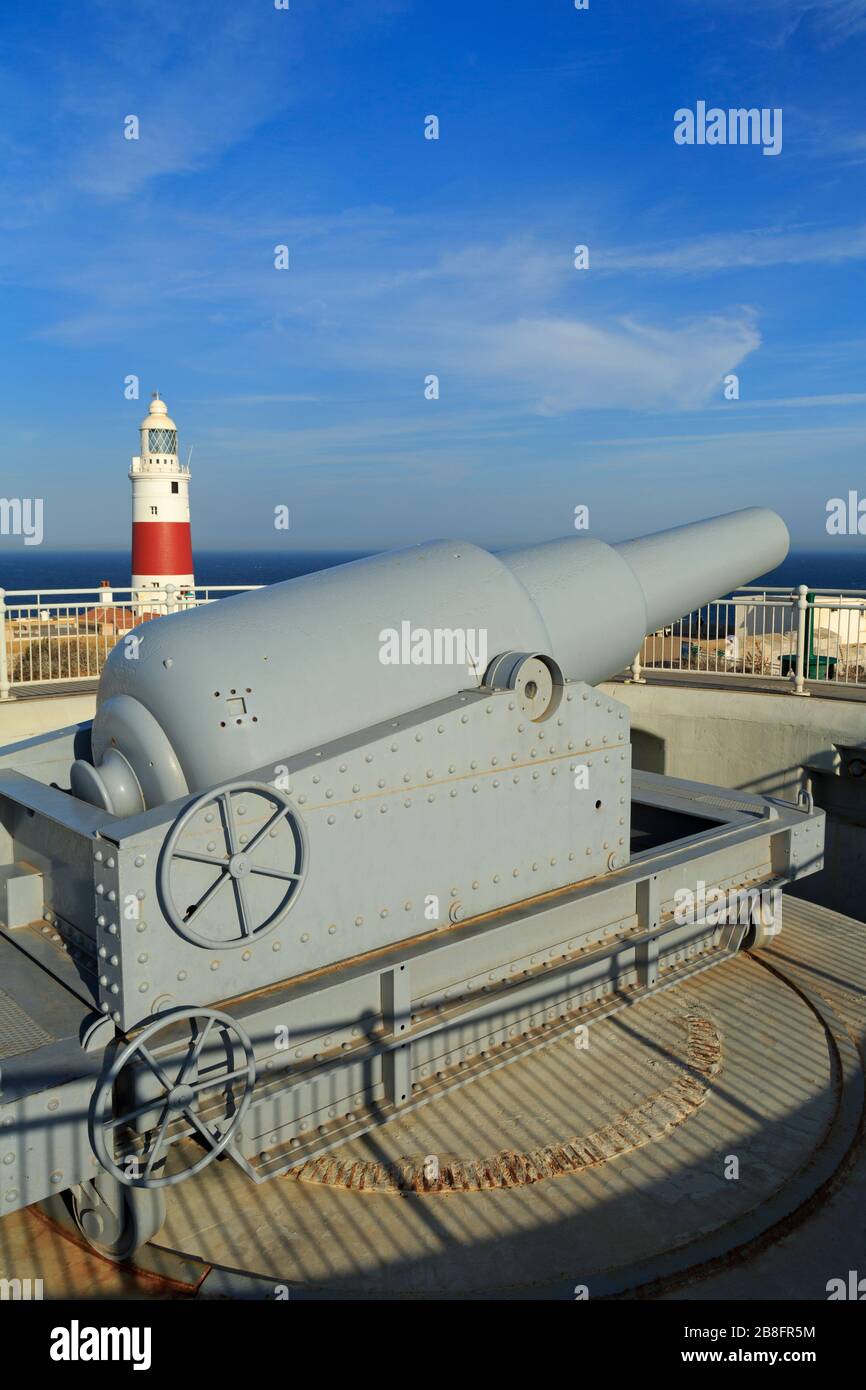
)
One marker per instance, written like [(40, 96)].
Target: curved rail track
[(399, 1223)]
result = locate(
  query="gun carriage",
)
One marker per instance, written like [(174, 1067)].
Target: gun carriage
[(280, 890)]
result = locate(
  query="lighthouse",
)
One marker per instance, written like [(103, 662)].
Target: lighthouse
[(161, 540)]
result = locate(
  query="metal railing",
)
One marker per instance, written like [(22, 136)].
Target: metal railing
[(63, 636), (790, 637), (60, 636)]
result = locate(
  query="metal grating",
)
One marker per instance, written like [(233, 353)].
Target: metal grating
[(724, 803), (18, 1031)]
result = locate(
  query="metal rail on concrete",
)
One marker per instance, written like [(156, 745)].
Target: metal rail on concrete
[(58, 638), (803, 639)]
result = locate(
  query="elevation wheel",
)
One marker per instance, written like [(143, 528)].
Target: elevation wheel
[(159, 1090), (233, 864)]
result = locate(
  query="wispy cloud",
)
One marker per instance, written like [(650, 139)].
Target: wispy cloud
[(564, 364), (832, 21), (756, 247)]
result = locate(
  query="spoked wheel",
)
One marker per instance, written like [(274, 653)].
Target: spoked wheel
[(116, 1220), (233, 864), (166, 1086)]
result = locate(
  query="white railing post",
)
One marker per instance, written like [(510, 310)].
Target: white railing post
[(5, 691), (636, 678), (170, 591), (800, 668)]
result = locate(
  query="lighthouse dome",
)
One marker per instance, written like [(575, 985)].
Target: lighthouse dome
[(158, 417)]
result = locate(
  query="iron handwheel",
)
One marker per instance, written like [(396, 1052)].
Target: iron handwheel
[(239, 833), (182, 1100)]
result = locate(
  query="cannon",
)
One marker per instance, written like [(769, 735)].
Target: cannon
[(330, 849)]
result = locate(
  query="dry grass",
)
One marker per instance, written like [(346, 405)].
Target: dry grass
[(57, 658)]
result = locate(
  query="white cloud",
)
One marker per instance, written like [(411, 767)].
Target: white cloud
[(566, 364)]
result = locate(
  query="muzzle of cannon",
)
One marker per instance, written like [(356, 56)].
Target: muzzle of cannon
[(333, 848), (201, 696)]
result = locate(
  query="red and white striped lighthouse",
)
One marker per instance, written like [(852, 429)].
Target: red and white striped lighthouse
[(161, 540)]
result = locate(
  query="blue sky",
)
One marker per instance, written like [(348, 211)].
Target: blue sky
[(410, 257)]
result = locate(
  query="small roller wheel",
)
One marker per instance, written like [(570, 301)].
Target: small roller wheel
[(114, 1219), (764, 926)]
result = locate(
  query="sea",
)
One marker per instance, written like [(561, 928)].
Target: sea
[(35, 568)]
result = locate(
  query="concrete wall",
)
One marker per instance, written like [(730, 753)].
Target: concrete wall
[(775, 744), (20, 719)]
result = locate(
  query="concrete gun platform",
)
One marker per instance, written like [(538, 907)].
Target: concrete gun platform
[(705, 1143)]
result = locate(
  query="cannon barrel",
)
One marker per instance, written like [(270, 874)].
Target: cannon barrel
[(251, 680)]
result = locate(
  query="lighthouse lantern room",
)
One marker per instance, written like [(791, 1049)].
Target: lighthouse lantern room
[(161, 540)]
